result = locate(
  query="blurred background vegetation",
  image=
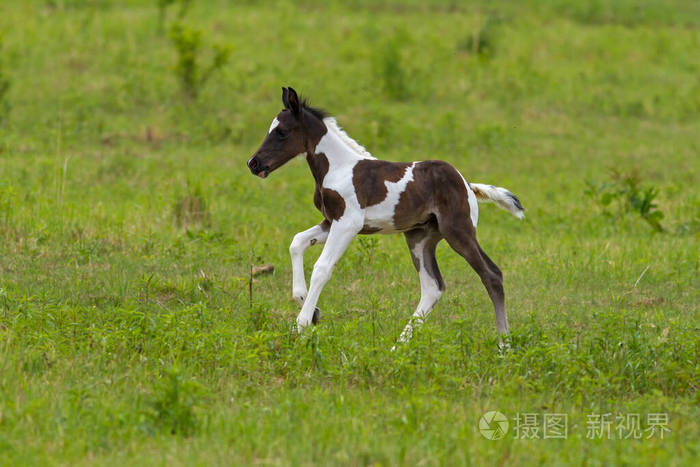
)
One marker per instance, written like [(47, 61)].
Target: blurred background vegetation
[(129, 222)]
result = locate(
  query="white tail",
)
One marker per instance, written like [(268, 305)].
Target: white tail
[(502, 197)]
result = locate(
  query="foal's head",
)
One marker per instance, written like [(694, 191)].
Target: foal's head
[(296, 130)]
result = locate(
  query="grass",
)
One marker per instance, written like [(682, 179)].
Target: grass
[(128, 224)]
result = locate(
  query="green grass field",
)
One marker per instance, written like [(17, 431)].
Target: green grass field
[(129, 221)]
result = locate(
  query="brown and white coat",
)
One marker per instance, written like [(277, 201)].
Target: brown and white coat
[(358, 194)]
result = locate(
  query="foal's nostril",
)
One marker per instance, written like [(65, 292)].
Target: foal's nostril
[(253, 163)]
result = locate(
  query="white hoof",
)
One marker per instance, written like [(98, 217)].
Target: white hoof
[(302, 324)]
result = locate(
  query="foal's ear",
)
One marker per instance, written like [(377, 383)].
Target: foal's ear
[(291, 101), (285, 97)]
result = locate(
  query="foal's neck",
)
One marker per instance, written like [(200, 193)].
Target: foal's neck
[(338, 147)]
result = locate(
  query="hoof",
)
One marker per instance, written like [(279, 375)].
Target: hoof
[(316, 316)]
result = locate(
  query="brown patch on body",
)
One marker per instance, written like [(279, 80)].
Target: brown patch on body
[(436, 189), (318, 163), (332, 204), (366, 230), (368, 177), (328, 201)]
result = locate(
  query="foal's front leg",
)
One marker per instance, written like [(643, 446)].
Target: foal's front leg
[(339, 237), (315, 235)]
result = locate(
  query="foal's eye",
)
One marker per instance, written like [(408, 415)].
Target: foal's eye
[(281, 133)]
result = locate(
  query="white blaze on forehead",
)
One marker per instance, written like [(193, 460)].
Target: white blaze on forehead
[(273, 125)]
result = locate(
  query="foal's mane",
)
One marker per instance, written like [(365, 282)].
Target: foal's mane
[(315, 111), (333, 126)]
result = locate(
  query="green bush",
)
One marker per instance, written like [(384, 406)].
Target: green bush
[(625, 191), (164, 5), (188, 44), (391, 71), (482, 42), (174, 402), (7, 203), (4, 87)]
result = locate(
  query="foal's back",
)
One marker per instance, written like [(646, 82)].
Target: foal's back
[(400, 196)]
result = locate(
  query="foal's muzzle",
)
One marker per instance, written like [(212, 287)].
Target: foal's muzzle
[(257, 168)]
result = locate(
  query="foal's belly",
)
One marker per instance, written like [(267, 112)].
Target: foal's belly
[(394, 222), (381, 226)]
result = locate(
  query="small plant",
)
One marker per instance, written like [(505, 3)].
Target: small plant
[(174, 402), (368, 246), (191, 208), (257, 319), (313, 345), (187, 43), (4, 87), (164, 5), (7, 203), (482, 42), (625, 191), (391, 71)]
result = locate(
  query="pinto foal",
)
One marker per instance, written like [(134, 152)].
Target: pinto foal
[(358, 194)]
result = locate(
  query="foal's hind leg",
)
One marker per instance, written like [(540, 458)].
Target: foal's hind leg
[(422, 243), (461, 236)]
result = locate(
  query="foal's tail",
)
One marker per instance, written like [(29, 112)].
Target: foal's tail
[(502, 197)]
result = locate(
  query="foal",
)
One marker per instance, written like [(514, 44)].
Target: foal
[(358, 194)]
